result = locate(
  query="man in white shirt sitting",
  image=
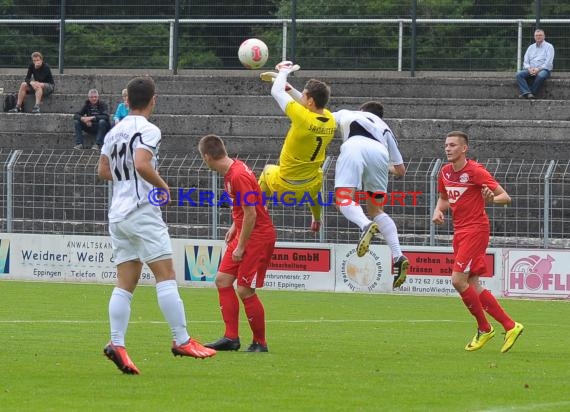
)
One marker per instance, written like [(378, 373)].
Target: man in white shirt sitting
[(538, 63)]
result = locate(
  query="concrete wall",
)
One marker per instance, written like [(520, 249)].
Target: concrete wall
[(238, 106)]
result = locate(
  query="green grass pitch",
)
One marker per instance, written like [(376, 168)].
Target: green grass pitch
[(328, 352)]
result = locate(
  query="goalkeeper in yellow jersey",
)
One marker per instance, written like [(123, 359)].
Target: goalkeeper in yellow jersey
[(303, 152)]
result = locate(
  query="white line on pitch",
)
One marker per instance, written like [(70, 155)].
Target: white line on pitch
[(64, 321), (531, 407)]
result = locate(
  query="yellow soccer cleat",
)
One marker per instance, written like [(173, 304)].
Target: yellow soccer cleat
[(367, 234), (511, 337), (268, 76), (480, 340)]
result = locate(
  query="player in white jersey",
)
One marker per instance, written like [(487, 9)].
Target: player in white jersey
[(138, 233), (368, 153)]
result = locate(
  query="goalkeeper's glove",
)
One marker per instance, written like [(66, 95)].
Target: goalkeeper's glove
[(287, 66)]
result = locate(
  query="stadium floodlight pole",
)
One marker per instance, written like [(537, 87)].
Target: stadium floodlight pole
[(293, 30), (413, 48), (61, 35), (175, 37)]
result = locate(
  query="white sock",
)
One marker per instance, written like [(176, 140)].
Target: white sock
[(172, 308), (390, 233), (355, 214), (119, 314)]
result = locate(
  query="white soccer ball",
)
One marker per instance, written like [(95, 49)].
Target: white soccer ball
[(253, 53)]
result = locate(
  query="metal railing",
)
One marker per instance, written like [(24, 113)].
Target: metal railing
[(57, 191), (284, 24)]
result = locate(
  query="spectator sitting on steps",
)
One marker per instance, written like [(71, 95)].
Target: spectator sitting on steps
[(538, 63), (39, 81), (122, 109), (92, 118)]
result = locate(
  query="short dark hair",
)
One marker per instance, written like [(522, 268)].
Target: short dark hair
[(319, 91), (213, 146), (140, 91), (457, 133), (373, 107)]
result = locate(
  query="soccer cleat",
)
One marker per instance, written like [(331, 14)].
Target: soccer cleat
[(224, 343), (400, 271), (119, 355), (367, 234), (480, 339), (511, 337), (268, 76), (257, 347), (192, 348), (36, 109)]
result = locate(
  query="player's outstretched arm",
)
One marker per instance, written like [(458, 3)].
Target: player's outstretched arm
[(278, 90), (270, 77)]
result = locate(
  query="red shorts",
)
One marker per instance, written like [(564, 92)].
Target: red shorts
[(469, 251), (250, 271)]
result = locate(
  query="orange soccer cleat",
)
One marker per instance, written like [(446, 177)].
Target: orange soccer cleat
[(192, 348)]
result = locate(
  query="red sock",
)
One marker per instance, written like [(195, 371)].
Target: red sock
[(471, 300), (256, 317), (494, 308), (229, 305)]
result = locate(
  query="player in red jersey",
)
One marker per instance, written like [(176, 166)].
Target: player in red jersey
[(250, 240), (464, 185)]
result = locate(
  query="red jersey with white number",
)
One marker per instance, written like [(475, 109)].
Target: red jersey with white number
[(463, 190), (241, 185)]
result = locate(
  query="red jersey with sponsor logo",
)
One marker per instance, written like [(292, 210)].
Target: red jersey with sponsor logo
[(241, 185), (463, 190)]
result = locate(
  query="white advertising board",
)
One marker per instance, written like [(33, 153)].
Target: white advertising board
[(369, 273), (294, 266), (431, 267), (537, 273), (61, 258)]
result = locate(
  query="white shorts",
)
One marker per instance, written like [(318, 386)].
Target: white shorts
[(143, 236), (363, 164)]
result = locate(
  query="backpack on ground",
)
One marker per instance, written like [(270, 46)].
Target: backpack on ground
[(10, 102)]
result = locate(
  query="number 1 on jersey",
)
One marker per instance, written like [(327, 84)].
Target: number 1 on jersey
[(319, 145)]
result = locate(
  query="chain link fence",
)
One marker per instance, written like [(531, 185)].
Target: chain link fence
[(58, 192)]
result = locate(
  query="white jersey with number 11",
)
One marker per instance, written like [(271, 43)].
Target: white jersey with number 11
[(130, 190)]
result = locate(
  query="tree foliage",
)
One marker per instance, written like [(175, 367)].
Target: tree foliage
[(315, 46)]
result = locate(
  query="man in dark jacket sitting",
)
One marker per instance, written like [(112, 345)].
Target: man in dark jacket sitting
[(92, 118)]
